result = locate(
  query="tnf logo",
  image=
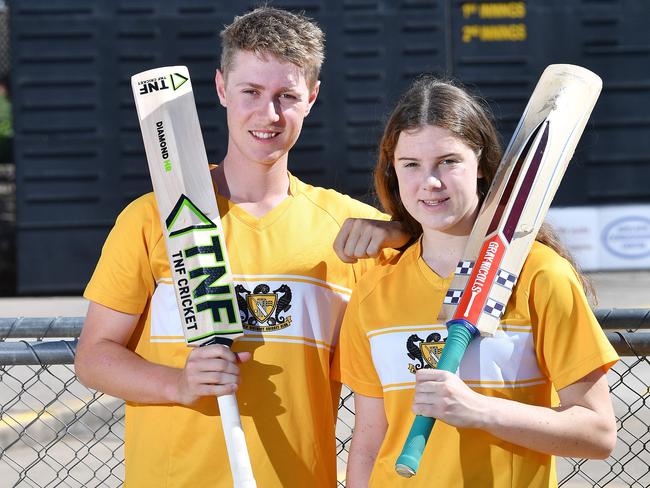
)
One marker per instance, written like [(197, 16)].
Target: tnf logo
[(175, 81)]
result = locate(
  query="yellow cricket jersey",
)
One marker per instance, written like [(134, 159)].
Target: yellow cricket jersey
[(547, 339), (286, 399)]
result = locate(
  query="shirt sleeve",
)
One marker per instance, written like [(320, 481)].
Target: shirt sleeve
[(570, 342), (122, 279), (353, 363)]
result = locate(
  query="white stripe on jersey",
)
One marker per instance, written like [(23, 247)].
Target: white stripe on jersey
[(251, 337), (316, 312), (410, 328), (507, 360), (298, 278)]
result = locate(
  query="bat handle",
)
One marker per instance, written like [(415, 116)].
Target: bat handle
[(461, 333), (240, 463)]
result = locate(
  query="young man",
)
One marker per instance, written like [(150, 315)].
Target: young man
[(279, 232)]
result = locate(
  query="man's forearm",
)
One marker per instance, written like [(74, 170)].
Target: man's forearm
[(113, 369)]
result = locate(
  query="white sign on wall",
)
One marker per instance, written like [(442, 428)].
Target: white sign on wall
[(605, 237)]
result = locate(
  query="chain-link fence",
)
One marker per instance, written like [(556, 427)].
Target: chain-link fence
[(56, 432)]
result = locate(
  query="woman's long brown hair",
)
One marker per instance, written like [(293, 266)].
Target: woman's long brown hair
[(446, 104)]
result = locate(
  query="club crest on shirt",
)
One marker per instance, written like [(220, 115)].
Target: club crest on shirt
[(425, 352), (263, 309)]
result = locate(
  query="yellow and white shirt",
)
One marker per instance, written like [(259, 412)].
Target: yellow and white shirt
[(547, 340), (287, 401)]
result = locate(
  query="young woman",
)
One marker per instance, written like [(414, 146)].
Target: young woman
[(536, 389)]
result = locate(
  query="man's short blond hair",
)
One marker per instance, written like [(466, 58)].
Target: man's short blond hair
[(287, 36)]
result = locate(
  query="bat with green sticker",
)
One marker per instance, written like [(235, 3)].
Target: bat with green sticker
[(510, 217), (192, 228)]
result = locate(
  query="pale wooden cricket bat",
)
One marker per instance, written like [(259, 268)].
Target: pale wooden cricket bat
[(513, 211), (192, 228)]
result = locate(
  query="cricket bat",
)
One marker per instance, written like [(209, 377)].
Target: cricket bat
[(192, 228), (513, 211)]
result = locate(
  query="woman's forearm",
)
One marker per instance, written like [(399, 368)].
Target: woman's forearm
[(573, 431), (584, 425), (370, 427)]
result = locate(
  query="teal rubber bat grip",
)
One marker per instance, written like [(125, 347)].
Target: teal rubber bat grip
[(460, 334)]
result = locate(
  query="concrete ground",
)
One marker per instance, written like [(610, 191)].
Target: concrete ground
[(43, 307), (622, 289)]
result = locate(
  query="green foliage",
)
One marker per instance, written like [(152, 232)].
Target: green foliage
[(6, 130)]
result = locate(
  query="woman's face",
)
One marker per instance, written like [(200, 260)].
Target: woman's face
[(437, 174)]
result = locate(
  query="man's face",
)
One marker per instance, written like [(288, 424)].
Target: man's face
[(266, 102)]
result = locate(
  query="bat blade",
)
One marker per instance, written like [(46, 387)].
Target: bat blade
[(186, 202), (192, 229), (530, 172), (513, 211)]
